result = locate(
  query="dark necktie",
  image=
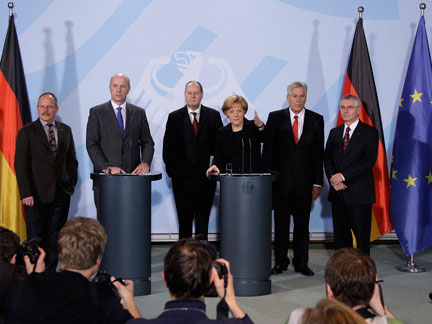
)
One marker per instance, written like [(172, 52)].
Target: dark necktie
[(346, 138), (295, 129), (120, 120), (195, 123), (52, 140)]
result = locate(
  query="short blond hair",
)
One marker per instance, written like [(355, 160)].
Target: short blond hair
[(331, 311), (81, 242), (231, 100)]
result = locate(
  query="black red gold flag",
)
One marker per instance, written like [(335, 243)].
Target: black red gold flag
[(14, 113)]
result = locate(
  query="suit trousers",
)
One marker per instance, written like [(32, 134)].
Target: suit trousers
[(299, 207), (355, 217), (44, 220), (193, 199)]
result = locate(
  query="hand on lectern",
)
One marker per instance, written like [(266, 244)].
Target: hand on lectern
[(212, 169), (114, 170), (142, 168)]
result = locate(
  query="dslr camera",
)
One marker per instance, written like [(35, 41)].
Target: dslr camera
[(221, 269), (29, 248), (104, 285)]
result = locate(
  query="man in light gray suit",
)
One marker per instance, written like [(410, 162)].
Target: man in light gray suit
[(118, 135)]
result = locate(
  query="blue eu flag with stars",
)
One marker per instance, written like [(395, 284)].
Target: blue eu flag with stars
[(411, 174)]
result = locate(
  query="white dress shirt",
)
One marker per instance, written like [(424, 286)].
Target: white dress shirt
[(300, 121), (197, 111)]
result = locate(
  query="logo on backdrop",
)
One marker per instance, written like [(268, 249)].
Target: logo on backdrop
[(161, 87)]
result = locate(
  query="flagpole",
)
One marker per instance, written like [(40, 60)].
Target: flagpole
[(360, 11), (411, 266), (10, 5)]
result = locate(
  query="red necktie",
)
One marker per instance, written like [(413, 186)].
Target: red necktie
[(295, 129), (346, 138), (195, 123)]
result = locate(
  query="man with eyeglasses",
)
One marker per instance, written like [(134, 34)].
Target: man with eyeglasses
[(350, 154), (46, 169)]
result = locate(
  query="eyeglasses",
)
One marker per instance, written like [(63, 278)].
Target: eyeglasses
[(347, 107), (46, 107)]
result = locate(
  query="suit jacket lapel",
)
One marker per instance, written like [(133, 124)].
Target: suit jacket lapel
[(188, 128), (288, 125), (339, 140), (203, 119), (306, 126), (130, 116), (40, 132), (61, 136)]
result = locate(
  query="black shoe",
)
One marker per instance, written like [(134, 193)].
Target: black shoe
[(278, 268), (305, 271)]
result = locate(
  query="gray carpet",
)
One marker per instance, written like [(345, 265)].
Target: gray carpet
[(405, 294)]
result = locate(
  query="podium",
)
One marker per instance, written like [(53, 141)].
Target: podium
[(246, 219), (125, 213)]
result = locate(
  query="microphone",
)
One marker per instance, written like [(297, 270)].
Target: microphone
[(130, 156), (250, 156), (242, 168)]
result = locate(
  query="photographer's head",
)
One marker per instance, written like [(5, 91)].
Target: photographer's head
[(350, 277), (81, 244), (9, 244), (331, 311), (187, 269)]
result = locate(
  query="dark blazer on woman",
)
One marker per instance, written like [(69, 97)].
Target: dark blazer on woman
[(238, 148)]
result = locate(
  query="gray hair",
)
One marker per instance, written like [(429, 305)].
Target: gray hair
[(296, 84), (123, 76), (353, 97)]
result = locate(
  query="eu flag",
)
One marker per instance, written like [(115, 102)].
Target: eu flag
[(411, 175)]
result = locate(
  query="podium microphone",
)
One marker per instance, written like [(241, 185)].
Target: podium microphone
[(250, 156), (130, 156), (242, 169)]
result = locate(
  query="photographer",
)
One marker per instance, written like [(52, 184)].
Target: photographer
[(188, 272), (69, 296), (11, 273), (351, 278)]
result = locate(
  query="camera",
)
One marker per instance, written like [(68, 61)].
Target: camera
[(103, 283), (221, 269), (29, 248)]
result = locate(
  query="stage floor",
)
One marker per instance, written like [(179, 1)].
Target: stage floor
[(405, 294)]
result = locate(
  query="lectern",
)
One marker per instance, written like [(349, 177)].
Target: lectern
[(125, 213), (246, 218)]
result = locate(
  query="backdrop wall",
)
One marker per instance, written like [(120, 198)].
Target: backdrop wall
[(252, 48)]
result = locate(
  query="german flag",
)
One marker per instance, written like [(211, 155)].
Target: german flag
[(359, 81), (14, 113)]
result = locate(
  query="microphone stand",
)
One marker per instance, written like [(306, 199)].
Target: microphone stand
[(242, 168), (250, 157)]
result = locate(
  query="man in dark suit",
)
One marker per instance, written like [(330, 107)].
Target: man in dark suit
[(350, 154), (293, 150), (189, 142), (118, 135), (46, 169)]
